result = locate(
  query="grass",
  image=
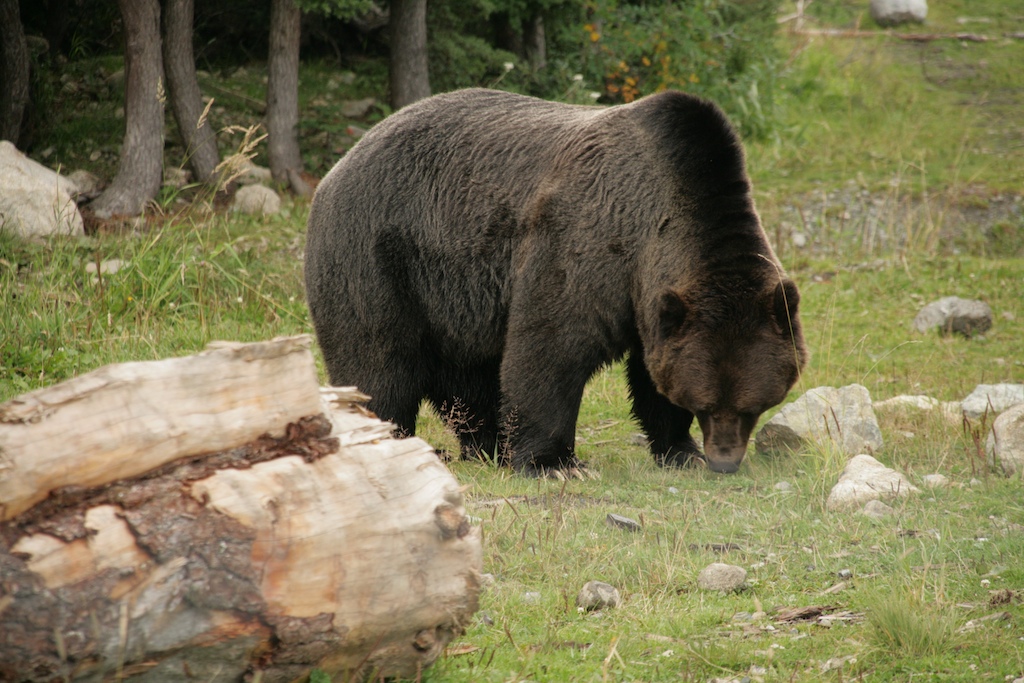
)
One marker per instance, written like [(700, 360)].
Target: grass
[(909, 140)]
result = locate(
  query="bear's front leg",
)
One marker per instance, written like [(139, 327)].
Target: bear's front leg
[(666, 425), (543, 374)]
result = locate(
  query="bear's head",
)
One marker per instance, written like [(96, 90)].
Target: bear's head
[(727, 353)]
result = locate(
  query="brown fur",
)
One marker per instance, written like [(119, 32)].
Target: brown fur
[(490, 251)]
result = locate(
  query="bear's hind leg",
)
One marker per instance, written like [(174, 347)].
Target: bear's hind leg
[(467, 401), (666, 425)]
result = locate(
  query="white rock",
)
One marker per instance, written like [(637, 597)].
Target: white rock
[(35, 201), (935, 481), (992, 398), (953, 314), (865, 479), (597, 595), (255, 175), (1005, 445), (915, 402), (722, 577), (108, 267), (256, 199), (85, 183), (876, 509), (892, 12), (843, 416)]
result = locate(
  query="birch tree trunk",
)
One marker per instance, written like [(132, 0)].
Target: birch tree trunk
[(216, 518)]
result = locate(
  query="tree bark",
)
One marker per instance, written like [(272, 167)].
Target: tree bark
[(14, 71), (197, 134), (534, 42), (409, 77), (141, 166), (283, 95), (168, 555)]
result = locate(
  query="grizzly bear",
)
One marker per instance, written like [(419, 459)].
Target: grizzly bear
[(490, 251)]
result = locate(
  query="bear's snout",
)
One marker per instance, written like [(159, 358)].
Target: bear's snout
[(725, 440)]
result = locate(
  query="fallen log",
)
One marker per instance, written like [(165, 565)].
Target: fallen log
[(216, 518)]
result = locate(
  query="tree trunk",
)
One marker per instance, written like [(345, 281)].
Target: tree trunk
[(14, 72), (56, 25), (197, 134), (169, 541), (283, 95), (141, 167), (410, 80), (534, 43)]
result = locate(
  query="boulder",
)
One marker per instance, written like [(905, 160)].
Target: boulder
[(953, 314), (992, 399), (1005, 445), (842, 416), (894, 12), (865, 479), (256, 199), (35, 202)]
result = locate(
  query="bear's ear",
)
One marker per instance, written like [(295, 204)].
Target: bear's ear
[(672, 313), (786, 302)]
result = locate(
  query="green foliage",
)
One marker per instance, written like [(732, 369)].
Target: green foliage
[(718, 49), (342, 9), (905, 625)]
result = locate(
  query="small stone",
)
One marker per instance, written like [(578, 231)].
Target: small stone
[(108, 267), (719, 576), (743, 616), (935, 481), (845, 574), (639, 440), (621, 522), (256, 199), (597, 595), (975, 483), (673, 490), (799, 240), (784, 487), (864, 479), (357, 109), (486, 619), (876, 509), (531, 597), (893, 12)]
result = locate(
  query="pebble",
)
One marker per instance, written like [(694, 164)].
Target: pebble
[(531, 597), (784, 487), (935, 481), (845, 574)]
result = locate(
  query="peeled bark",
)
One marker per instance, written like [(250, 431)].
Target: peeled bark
[(197, 134), (283, 95), (141, 166), (314, 540), (14, 72), (409, 77)]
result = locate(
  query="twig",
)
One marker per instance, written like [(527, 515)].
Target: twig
[(913, 37)]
